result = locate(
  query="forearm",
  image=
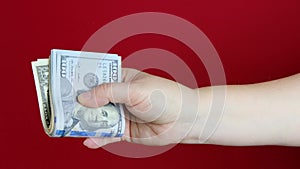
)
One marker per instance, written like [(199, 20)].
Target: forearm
[(257, 114)]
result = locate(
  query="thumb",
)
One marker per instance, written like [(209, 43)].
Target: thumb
[(105, 93)]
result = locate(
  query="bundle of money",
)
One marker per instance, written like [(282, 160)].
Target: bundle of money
[(60, 79)]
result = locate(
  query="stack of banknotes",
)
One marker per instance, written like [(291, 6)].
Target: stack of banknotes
[(61, 78)]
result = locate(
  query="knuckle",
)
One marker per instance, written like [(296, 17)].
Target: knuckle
[(106, 90)]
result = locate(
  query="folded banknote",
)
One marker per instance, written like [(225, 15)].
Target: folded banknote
[(61, 78)]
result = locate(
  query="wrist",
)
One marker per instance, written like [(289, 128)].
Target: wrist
[(202, 101)]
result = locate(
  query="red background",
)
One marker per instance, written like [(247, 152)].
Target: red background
[(256, 40)]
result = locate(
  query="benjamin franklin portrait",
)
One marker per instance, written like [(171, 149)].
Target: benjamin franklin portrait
[(84, 118)]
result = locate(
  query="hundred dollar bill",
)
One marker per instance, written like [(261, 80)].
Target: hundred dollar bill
[(66, 75), (41, 77)]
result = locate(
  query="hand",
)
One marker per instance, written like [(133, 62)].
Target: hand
[(153, 108), (160, 112)]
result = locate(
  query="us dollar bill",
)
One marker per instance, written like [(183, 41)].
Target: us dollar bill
[(41, 77), (61, 79)]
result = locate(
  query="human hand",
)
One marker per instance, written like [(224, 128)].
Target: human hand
[(157, 111)]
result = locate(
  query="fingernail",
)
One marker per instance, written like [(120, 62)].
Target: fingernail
[(85, 96), (90, 144)]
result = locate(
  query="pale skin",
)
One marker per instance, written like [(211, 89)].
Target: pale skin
[(161, 112)]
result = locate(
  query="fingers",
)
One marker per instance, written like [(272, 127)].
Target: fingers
[(128, 74), (110, 92), (105, 93), (95, 143)]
